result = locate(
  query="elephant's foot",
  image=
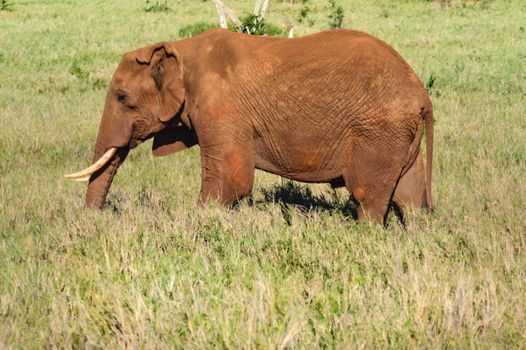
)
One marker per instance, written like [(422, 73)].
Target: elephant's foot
[(226, 194), (372, 207)]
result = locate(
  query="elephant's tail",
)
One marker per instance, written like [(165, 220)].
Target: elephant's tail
[(427, 114)]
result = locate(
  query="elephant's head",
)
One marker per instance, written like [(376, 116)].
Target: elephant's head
[(145, 98)]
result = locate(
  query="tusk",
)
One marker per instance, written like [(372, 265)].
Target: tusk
[(82, 179), (81, 175)]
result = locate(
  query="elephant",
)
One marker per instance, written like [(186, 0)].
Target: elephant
[(339, 107)]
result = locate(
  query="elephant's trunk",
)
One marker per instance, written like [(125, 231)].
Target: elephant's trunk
[(111, 149), (100, 181)]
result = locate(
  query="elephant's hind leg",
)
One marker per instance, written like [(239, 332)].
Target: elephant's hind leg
[(371, 179), (411, 190)]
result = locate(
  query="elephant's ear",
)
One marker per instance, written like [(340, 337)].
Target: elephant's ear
[(167, 73), (145, 54), (173, 139)]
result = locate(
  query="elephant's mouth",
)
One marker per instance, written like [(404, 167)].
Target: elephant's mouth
[(134, 143), (85, 174)]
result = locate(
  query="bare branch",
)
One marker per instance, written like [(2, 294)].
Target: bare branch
[(231, 14), (220, 7), (264, 8), (289, 27), (223, 10), (257, 7)]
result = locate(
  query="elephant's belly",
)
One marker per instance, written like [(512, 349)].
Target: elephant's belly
[(300, 163)]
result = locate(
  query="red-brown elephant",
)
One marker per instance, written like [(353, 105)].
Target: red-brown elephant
[(335, 107)]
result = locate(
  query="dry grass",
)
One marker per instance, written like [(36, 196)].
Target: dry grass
[(288, 268)]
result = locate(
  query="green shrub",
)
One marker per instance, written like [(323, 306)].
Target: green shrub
[(336, 15), (194, 29), (304, 12), (156, 6), (303, 16), (6, 5), (79, 72), (256, 25), (431, 86), (253, 25)]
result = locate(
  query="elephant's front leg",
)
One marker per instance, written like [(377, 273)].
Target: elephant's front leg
[(227, 173)]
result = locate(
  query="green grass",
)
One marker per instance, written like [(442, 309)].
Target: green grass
[(153, 271)]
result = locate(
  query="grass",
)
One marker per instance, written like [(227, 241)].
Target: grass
[(289, 268)]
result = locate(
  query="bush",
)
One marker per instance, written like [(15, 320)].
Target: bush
[(253, 25), (5, 5), (156, 6), (304, 12), (336, 15), (194, 29), (256, 25)]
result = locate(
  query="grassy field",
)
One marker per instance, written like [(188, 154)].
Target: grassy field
[(289, 268)]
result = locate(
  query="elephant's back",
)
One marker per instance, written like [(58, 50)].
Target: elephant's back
[(344, 76), (334, 64)]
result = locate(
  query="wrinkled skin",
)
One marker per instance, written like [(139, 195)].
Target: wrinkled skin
[(337, 107)]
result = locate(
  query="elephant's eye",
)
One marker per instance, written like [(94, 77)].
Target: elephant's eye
[(122, 96)]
